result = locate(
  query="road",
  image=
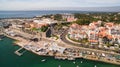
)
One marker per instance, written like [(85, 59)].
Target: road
[(63, 38)]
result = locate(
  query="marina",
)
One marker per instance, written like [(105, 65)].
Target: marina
[(32, 60), (31, 46)]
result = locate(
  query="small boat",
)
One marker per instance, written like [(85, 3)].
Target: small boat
[(77, 66), (43, 60), (59, 66), (81, 62), (95, 66), (74, 62)]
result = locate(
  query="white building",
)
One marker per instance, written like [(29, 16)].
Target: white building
[(55, 47)]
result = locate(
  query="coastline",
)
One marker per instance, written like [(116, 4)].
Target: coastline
[(64, 57)]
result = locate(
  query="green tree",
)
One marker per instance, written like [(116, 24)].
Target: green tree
[(58, 17), (44, 28), (82, 22)]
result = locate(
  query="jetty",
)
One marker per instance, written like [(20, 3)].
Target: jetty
[(18, 51)]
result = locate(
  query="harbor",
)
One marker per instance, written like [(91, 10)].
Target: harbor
[(43, 48), (51, 47), (62, 41), (32, 60)]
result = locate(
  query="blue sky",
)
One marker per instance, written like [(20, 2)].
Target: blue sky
[(42, 4)]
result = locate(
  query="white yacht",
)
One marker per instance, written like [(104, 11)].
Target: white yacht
[(59, 66), (95, 66), (74, 62), (81, 62), (43, 60), (77, 66)]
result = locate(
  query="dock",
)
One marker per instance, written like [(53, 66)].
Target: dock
[(18, 51)]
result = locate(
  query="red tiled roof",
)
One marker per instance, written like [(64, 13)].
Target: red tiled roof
[(93, 40), (110, 24), (109, 36)]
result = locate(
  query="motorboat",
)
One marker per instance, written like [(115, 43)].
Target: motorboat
[(43, 60)]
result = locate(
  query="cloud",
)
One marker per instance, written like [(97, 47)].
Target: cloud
[(39, 4), (103, 1)]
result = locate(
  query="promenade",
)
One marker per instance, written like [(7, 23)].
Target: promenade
[(76, 52), (46, 47)]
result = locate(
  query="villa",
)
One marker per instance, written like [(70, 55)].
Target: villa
[(95, 33), (68, 17)]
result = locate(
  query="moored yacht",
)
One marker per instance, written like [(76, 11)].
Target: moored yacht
[(43, 60)]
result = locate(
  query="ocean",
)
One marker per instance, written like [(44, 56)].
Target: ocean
[(9, 59), (13, 14)]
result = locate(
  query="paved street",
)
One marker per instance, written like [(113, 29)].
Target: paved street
[(63, 38)]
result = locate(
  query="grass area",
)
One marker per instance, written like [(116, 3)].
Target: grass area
[(34, 29), (66, 24), (59, 26), (73, 39), (42, 29), (84, 40), (55, 36), (108, 45), (16, 41)]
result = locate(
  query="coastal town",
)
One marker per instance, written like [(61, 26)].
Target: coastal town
[(66, 36)]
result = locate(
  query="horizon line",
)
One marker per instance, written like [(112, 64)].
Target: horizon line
[(60, 8)]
